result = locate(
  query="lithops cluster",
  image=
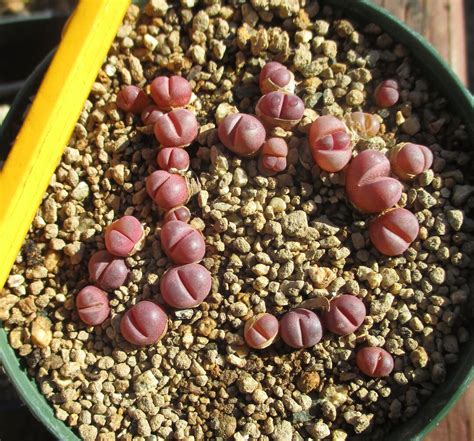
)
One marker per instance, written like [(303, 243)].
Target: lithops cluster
[(271, 298), (108, 270)]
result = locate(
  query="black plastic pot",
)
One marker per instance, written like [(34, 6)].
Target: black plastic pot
[(24, 42)]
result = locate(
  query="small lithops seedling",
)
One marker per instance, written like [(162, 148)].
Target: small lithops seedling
[(374, 362), (170, 92), (345, 315), (181, 213), (124, 237), (368, 184), (168, 190), (387, 93), (409, 160), (173, 158), (394, 231), (301, 328), (365, 125), (92, 305), (278, 109), (273, 155), (330, 143), (241, 133), (185, 286), (132, 99), (177, 128), (261, 330), (276, 76), (108, 271), (144, 324), (150, 115), (182, 243)]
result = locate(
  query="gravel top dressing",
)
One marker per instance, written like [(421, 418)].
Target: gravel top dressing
[(336, 232)]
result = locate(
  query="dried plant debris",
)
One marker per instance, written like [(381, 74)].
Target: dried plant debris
[(272, 242)]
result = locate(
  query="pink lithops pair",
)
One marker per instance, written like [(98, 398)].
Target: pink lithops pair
[(409, 160), (132, 99), (150, 115), (374, 362), (261, 330), (276, 77), (279, 109), (387, 93), (241, 133), (177, 128), (92, 305), (186, 286), (345, 315), (124, 237), (170, 92), (363, 124), (144, 324), (181, 213), (330, 143), (394, 231), (301, 328), (108, 271), (182, 243), (368, 184), (173, 158), (168, 190), (273, 155)]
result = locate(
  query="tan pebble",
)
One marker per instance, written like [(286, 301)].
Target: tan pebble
[(419, 357), (224, 109), (205, 326), (321, 277), (226, 425), (278, 205), (308, 381), (118, 174), (15, 280), (247, 384), (236, 361), (41, 334)]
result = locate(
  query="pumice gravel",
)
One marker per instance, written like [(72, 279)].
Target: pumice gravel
[(287, 240)]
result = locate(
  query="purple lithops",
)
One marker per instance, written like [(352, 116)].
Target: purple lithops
[(301, 328), (144, 324), (387, 93), (150, 115), (178, 128), (393, 232), (273, 155), (242, 134), (369, 185), (173, 158), (261, 330), (180, 213), (330, 144), (186, 286), (108, 271), (374, 362), (170, 92), (346, 314), (124, 237), (278, 109), (132, 99), (92, 305), (276, 76), (168, 190), (408, 160), (182, 243)]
